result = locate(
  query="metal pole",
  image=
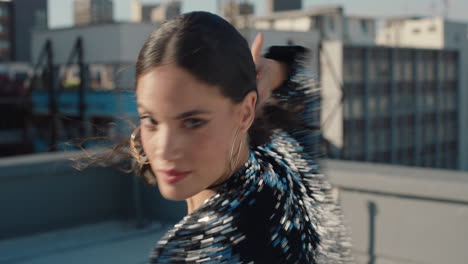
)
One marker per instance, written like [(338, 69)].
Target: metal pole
[(52, 97), (81, 90)]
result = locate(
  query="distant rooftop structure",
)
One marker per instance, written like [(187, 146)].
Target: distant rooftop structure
[(330, 22), (423, 32), (321, 10), (233, 11), (283, 5), (93, 12), (150, 13)]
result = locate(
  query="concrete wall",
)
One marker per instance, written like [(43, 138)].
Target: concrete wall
[(422, 33), (401, 214), (355, 33), (43, 192), (106, 43), (333, 26), (331, 79), (293, 24)]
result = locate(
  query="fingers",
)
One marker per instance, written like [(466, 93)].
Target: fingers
[(257, 47)]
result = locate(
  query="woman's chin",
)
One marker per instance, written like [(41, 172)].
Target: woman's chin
[(173, 194)]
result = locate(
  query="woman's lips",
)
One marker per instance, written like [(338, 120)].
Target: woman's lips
[(172, 176)]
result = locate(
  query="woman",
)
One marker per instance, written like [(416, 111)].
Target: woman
[(208, 136)]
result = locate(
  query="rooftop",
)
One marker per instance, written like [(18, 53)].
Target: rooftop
[(54, 214)]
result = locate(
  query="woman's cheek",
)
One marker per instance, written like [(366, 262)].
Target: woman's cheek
[(209, 146)]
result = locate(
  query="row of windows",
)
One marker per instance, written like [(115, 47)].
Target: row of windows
[(404, 120), (408, 64), (401, 87), (446, 158), (381, 137), (381, 106)]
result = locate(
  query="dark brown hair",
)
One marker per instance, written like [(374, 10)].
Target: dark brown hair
[(214, 52)]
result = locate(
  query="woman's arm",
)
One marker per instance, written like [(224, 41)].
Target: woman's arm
[(284, 81), (270, 73)]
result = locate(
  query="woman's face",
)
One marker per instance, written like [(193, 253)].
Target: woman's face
[(187, 130)]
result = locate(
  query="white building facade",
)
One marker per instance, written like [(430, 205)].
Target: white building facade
[(330, 22)]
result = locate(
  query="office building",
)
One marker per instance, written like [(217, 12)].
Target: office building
[(391, 105), (6, 31), (28, 16), (18, 18), (437, 33)]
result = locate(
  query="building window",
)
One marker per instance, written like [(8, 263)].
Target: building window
[(364, 27), (357, 110), (3, 11), (3, 28), (4, 44), (432, 28), (331, 23), (40, 19), (416, 31)]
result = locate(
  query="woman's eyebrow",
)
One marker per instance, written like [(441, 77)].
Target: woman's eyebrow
[(182, 115), (192, 113)]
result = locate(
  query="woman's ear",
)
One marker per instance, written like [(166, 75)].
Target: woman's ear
[(247, 111)]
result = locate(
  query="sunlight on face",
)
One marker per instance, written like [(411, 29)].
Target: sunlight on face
[(187, 130)]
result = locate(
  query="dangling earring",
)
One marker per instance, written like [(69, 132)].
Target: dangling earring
[(138, 155), (233, 166), (142, 165)]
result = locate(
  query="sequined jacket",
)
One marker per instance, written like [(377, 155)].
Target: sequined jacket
[(278, 208)]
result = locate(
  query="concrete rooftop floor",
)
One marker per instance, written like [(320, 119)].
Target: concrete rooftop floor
[(106, 242)]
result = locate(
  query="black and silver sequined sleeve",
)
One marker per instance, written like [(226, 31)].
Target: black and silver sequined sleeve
[(300, 94)]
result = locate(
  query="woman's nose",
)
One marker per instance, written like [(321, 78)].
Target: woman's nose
[(168, 144)]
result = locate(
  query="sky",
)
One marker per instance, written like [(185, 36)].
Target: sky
[(60, 11)]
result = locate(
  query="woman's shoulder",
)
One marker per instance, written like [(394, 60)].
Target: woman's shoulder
[(226, 229), (263, 215)]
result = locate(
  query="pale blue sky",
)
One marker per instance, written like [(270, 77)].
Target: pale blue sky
[(60, 11)]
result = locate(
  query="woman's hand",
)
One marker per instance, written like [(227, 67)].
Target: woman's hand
[(270, 73)]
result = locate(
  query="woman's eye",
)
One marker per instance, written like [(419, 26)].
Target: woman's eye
[(148, 121), (194, 123)]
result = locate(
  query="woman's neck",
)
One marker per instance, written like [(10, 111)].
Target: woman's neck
[(198, 199)]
